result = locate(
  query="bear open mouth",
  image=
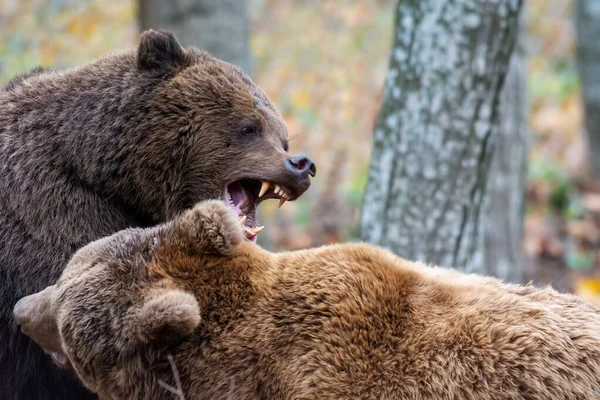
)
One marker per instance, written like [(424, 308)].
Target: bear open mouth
[(244, 196)]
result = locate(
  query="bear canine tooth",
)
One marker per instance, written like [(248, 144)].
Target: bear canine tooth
[(243, 219), (257, 229), (281, 201), (264, 187), (250, 232)]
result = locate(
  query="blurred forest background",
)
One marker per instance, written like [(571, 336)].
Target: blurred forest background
[(323, 63)]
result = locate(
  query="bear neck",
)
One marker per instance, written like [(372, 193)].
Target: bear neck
[(87, 127), (225, 288)]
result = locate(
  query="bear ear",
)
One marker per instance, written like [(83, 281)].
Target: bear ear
[(159, 50), (36, 316), (211, 226), (168, 314)]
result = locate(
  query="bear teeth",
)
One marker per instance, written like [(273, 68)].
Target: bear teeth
[(264, 187), (248, 231), (251, 232), (281, 191)]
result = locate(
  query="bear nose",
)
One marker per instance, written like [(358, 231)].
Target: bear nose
[(301, 166)]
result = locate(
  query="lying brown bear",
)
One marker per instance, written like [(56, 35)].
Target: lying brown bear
[(339, 322)]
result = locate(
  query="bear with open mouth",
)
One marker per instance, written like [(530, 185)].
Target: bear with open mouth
[(190, 307), (129, 140)]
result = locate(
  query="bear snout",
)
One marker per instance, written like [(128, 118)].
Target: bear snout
[(19, 311), (35, 315), (301, 167)]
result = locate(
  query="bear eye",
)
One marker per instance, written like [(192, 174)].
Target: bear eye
[(249, 130)]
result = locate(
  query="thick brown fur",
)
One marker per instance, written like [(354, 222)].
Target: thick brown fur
[(128, 140), (339, 322)]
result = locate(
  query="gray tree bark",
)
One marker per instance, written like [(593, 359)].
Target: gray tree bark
[(220, 27), (436, 129), (504, 207), (588, 60)]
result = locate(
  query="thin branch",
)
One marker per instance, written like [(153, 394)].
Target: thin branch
[(179, 389), (168, 387)]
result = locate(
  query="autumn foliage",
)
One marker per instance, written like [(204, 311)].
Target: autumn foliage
[(323, 63)]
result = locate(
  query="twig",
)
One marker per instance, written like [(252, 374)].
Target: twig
[(179, 389)]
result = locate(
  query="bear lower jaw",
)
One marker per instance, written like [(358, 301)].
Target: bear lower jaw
[(244, 195)]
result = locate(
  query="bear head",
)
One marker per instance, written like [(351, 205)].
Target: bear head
[(160, 128), (235, 141), (149, 278)]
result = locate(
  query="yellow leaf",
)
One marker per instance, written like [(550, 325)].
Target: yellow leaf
[(588, 289)]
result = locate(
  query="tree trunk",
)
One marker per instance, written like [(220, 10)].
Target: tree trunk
[(218, 26), (504, 206), (436, 129), (588, 60)]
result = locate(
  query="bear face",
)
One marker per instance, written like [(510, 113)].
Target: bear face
[(190, 305), (239, 154)]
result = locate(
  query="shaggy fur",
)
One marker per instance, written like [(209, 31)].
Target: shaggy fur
[(129, 140), (338, 322)]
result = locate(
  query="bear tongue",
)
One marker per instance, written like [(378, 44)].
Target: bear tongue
[(239, 197)]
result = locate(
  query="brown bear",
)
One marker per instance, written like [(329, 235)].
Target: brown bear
[(129, 140), (191, 307)]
